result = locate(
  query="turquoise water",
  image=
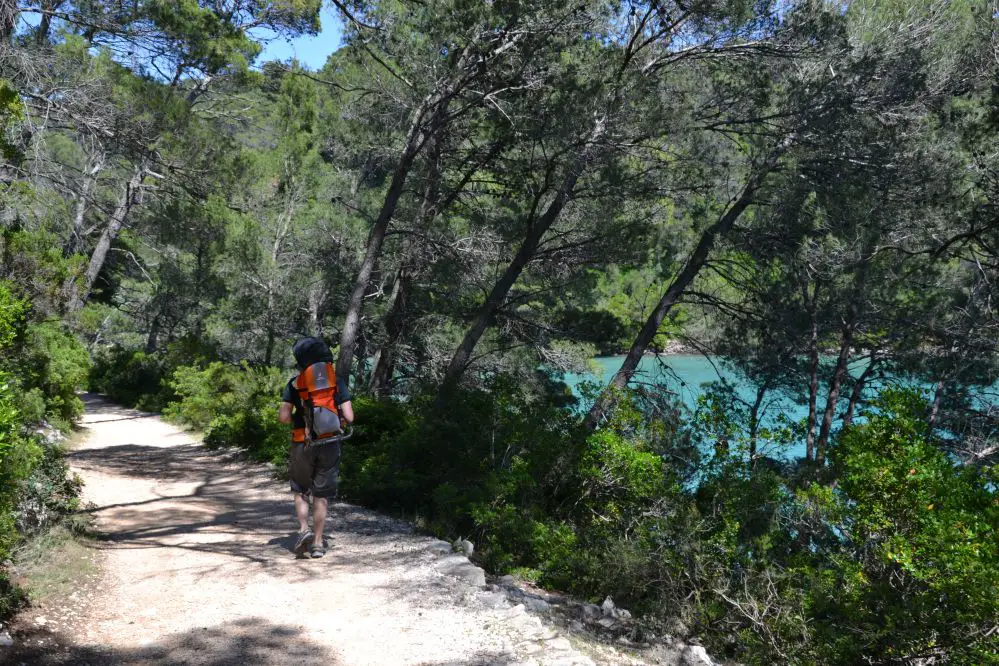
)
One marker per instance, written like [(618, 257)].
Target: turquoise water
[(686, 375)]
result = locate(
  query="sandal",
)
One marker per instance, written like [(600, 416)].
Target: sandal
[(302, 544), (318, 552)]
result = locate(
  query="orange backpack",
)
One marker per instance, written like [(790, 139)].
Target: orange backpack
[(316, 386)]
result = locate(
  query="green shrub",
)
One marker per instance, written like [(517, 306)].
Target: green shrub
[(257, 431), (12, 316), (922, 572), (517, 473), (41, 367), (130, 378), (18, 455), (56, 364), (235, 405), (48, 493), (145, 381)]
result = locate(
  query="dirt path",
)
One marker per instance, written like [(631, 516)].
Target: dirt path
[(198, 570)]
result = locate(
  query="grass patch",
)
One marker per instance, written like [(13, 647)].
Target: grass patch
[(52, 564), (76, 438)]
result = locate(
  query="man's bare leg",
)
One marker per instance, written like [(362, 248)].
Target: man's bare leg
[(302, 512), (319, 506)]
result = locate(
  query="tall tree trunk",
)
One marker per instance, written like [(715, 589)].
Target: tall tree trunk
[(45, 23), (395, 319), (153, 337), (95, 164), (271, 340), (842, 360), (317, 296), (858, 391), (811, 304), (536, 231), (396, 322), (109, 236), (8, 20), (938, 393), (434, 105), (277, 247), (754, 421), (359, 369), (695, 262), (430, 120), (384, 360)]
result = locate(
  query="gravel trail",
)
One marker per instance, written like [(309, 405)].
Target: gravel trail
[(197, 569)]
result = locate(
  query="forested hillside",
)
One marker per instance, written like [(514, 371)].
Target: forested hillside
[(471, 199)]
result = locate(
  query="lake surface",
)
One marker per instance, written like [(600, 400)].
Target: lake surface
[(686, 375)]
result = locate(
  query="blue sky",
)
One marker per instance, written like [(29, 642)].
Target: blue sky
[(310, 51)]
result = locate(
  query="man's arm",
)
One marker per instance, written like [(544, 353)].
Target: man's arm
[(347, 412), (284, 413), (343, 401)]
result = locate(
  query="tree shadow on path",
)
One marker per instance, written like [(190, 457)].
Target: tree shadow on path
[(214, 501), (252, 641)]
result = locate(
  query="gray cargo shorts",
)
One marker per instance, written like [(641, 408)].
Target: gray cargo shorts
[(315, 469)]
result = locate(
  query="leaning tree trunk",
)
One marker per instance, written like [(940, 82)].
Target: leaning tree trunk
[(842, 360), (108, 237), (754, 421), (435, 107), (395, 320), (75, 242), (416, 139), (858, 392), (690, 270), (935, 405), (536, 231), (813, 367), (384, 361)]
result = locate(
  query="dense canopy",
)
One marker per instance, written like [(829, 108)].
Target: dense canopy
[(470, 200)]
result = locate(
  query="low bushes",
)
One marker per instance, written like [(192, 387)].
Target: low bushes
[(41, 368), (144, 381), (895, 562), (133, 379), (234, 405)]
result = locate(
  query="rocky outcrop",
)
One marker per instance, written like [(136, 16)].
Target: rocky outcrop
[(549, 628)]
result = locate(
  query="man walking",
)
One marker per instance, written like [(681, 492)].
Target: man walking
[(317, 404)]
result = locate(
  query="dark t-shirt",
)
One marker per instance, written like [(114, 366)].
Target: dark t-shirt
[(290, 394)]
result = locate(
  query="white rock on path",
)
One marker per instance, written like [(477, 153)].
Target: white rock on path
[(459, 567), (559, 643), (536, 605), (608, 607), (695, 655), (492, 599), (439, 547)]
